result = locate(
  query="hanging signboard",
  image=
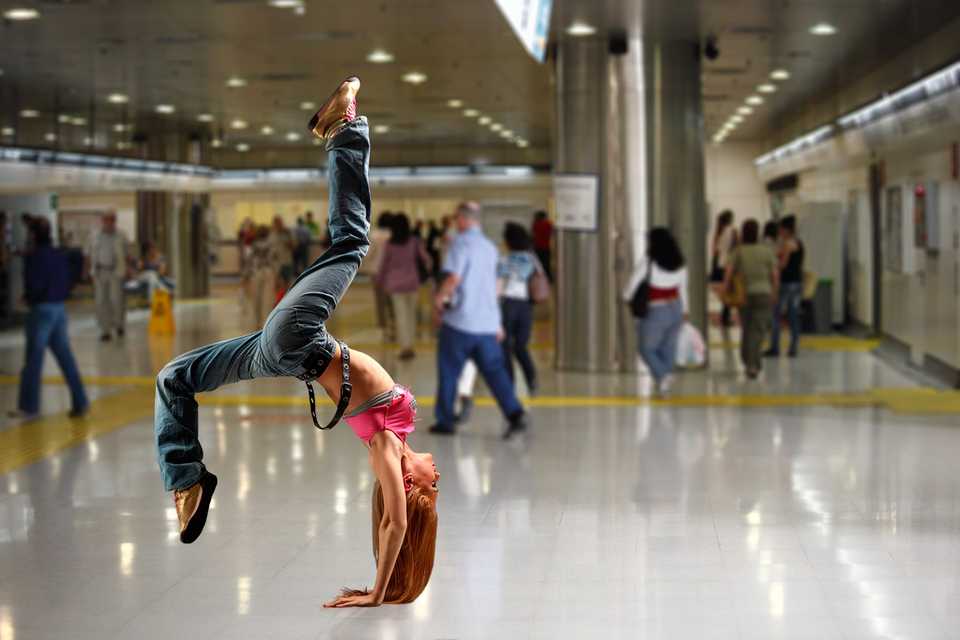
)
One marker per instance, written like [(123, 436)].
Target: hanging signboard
[(530, 20), (577, 200)]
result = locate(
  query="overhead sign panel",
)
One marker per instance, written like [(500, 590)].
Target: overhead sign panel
[(530, 20)]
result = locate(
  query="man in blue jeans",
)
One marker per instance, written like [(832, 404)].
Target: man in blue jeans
[(294, 340), (791, 254), (471, 325), (47, 283)]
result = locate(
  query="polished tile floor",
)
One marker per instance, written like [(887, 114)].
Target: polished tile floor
[(614, 519)]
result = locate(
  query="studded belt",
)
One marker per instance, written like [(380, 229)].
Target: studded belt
[(313, 368)]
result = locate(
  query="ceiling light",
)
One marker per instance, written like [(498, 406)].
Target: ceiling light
[(379, 56), (308, 106), (580, 29), (266, 130), (381, 128), (506, 133), (496, 126), (29, 113), (485, 120), (88, 142), (117, 98), (293, 136), (744, 111), (823, 29), (767, 88), (238, 124), (78, 122), (165, 108), (235, 82), (317, 142), (471, 113), (120, 128), (523, 144), (780, 74), (754, 100), (415, 77), (7, 131), (454, 103), (50, 137), (216, 143), (21, 13), (285, 4), (736, 119), (63, 118), (243, 147), (205, 117)]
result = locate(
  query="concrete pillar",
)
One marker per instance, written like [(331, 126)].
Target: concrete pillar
[(177, 223), (629, 112)]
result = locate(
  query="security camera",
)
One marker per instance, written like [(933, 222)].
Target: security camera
[(710, 49)]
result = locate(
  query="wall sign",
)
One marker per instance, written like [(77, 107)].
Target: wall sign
[(577, 200), (530, 20)]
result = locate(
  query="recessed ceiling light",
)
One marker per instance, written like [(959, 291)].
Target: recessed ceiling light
[(293, 136), (744, 111), (243, 147), (454, 103), (235, 82), (50, 137), (471, 113), (266, 130), (736, 119), (238, 124), (63, 118), (767, 87), (754, 100), (78, 122), (285, 4), (496, 126), (523, 144), (308, 106), (381, 128), (379, 56), (823, 29), (165, 108), (485, 120), (780, 74), (7, 131), (120, 127), (21, 13), (216, 143), (88, 142), (117, 98), (579, 29), (205, 117), (415, 77), (506, 133), (29, 113)]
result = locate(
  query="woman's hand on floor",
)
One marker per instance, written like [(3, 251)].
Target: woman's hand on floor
[(361, 600)]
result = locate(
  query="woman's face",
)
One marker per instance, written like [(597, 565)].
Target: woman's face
[(424, 472)]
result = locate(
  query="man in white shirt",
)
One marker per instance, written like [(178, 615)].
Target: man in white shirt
[(108, 268)]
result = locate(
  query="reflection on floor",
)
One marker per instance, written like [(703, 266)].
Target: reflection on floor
[(819, 502)]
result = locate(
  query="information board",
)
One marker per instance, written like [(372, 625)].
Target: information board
[(530, 20), (577, 199)]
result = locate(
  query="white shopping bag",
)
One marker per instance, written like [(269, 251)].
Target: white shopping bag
[(691, 350)]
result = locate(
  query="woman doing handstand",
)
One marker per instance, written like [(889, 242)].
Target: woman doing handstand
[(294, 342)]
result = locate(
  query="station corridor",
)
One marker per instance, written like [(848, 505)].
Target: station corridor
[(819, 502)]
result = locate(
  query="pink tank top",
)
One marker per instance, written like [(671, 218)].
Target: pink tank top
[(397, 415)]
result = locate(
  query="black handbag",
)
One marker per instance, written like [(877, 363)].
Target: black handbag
[(641, 298)]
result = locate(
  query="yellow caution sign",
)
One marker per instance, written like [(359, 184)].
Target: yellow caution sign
[(161, 314)]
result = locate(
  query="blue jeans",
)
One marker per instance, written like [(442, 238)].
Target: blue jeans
[(46, 326), (453, 349), (517, 326), (791, 294), (294, 340), (657, 336)]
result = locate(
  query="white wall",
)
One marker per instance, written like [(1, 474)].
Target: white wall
[(732, 181)]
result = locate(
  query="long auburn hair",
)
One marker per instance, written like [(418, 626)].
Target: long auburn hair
[(411, 573)]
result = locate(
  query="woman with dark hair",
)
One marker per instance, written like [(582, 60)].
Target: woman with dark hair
[(721, 247), (514, 272), (756, 265), (663, 272), (771, 233), (295, 342), (399, 277)]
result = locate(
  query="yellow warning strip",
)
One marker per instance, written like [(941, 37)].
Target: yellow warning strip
[(32, 441)]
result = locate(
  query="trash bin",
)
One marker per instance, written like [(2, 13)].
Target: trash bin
[(818, 311)]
